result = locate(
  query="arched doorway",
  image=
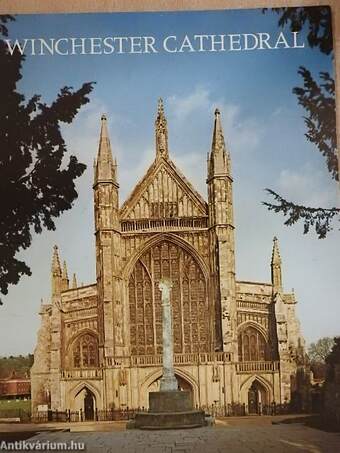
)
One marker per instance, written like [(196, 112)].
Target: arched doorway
[(85, 403), (89, 405), (257, 397)]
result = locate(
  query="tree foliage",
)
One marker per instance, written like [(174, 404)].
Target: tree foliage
[(318, 22), (319, 351), (20, 365), (319, 103), (319, 218), (37, 180), (318, 100), (333, 359)]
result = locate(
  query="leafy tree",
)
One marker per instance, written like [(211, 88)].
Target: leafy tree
[(319, 351), (37, 182), (20, 365), (318, 100), (333, 359), (318, 369), (317, 20)]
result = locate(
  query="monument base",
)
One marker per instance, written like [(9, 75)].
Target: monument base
[(170, 401), (169, 410)]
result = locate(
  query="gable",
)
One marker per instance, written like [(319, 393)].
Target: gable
[(163, 193)]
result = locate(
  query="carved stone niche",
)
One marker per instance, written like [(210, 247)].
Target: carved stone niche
[(123, 377), (280, 318), (216, 374), (282, 331)]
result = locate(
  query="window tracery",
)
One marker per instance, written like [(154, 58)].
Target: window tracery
[(252, 346), (85, 352), (190, 310)]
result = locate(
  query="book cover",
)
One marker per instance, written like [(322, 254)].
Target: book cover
[(193, 146)]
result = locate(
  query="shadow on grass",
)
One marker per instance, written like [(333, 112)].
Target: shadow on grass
[(313, 421)]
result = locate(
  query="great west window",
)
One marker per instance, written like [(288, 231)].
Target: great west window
[(190, 309)]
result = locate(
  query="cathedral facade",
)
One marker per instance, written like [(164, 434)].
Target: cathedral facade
[(100, 346)]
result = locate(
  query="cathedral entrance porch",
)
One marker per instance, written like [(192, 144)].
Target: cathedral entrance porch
[(89, 405), (85, 402), (257, 398), (260, 393)]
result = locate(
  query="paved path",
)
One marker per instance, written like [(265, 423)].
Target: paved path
[(223, 437)]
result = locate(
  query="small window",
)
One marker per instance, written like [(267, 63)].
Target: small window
[(85, 352), (252, 346)]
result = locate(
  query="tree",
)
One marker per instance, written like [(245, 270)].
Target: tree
[(37, 182), (333, 359), (318, 100), (319, 351), (20, 365)]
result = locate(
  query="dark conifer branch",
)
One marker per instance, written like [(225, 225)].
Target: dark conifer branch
[(317, 20), (319, 218), (318, 100), (319, 103)]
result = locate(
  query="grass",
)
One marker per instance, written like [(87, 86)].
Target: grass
[(15, 404)]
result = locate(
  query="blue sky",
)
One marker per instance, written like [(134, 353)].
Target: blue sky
[(264, 131)]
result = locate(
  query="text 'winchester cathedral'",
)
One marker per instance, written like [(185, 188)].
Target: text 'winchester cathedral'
[(100, 346)]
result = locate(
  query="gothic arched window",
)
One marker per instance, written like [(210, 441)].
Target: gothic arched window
[(252, 345), (191, 314), (85, 352)]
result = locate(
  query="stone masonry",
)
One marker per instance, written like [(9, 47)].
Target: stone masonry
[(234, 341)]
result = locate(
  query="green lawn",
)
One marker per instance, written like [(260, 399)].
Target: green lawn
[(13, 404)]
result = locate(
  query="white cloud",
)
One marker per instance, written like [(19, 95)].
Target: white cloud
[(129, 175), (83, 135), (181, 107), (194, 169), (278, 111), (242, 133), (307, 186)]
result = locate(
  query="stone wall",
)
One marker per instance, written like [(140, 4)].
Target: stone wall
[(210, 384)]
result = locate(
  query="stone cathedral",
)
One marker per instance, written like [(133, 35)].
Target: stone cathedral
[(100, 345)]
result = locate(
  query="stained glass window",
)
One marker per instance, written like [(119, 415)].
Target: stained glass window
[(191, 313), (85, 352), (252, 345)]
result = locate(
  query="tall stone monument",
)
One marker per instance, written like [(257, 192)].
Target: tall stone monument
[(168, 380), (170, 407)]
